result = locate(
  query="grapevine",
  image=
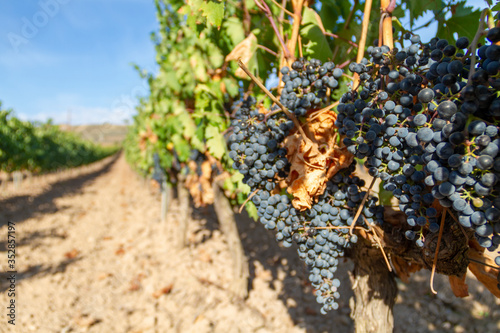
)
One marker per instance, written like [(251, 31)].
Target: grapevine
[(323, 158), (37, 147)]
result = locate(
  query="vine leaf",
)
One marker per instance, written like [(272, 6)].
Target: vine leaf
[(252, 210), (461, 21), (313, 32), (234, 29), (418, 8), (245, 51), (458, 285), (312, 164), (485, 274), (213, 11), (200, 186), (215, 141)]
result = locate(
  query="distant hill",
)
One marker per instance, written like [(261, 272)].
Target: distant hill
[(105, 134)]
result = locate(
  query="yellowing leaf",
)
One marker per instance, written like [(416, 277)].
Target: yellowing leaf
[(215, 142), (213, 11), (244, 51), (312, 164)]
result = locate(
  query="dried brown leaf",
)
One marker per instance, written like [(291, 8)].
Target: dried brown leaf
[(458, 285), (403, 268), (313, 163), (486, 275), (244, 51), (163, 291), (200, 186), (72, 254)]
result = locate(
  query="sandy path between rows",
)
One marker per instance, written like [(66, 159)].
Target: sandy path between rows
[(93, 256)]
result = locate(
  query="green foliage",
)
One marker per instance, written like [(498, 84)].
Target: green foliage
[(43, 147), (189, 105), (463, 21)]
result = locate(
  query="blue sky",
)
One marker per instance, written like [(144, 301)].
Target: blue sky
[(73, 57)]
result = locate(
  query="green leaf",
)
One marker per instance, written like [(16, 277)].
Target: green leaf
[(463, 21), (188, 125), (215, 141), (233, 27), (213, 11), (231, 86), (418, 8), (252, 210), (181, 147), (384, 196), (316, 43), (215, 56)]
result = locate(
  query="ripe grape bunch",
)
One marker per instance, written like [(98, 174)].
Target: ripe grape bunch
[(428, 128), (256, 147)]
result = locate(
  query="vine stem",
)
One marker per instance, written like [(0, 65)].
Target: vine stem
[(346, 25), (479, 33), (483, 263), (282, 8), (434, 262), (268, 50), (377, 239), (458, 223), (364, 30), (360, 208), (297, 20), (362, 39), (329, 34), (387, 7), (268, 13), (248, 199), (274, 99)]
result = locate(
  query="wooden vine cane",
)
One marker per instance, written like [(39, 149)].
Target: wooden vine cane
[(362, 40), (386, 8)]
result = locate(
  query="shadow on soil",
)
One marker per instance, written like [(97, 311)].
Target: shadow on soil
[(261, 246), (37, 270), (23, 207)]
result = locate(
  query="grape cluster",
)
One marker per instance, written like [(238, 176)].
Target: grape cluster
[(430, 133), (254, 146), (306, 85), (321, 232)]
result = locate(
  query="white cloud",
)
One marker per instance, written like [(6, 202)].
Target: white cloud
[(80, 115)]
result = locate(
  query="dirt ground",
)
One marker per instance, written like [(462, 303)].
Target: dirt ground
[(93, 256)]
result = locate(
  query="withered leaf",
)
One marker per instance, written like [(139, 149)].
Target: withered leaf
[(485, 274), (244, 51), (200, 186), (313, 163), (458, 286)]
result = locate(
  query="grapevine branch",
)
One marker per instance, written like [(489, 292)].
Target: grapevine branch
[(267, 11), (387, 7), (483, 263), (247, 199), (362, 40), (458, 223), (297, 20), (329, 34), (479, 33), (434, 263), (364, 30), (268, 50), (282, 8), (377, 239), (360, 208), (274, 99), (346, 25)]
